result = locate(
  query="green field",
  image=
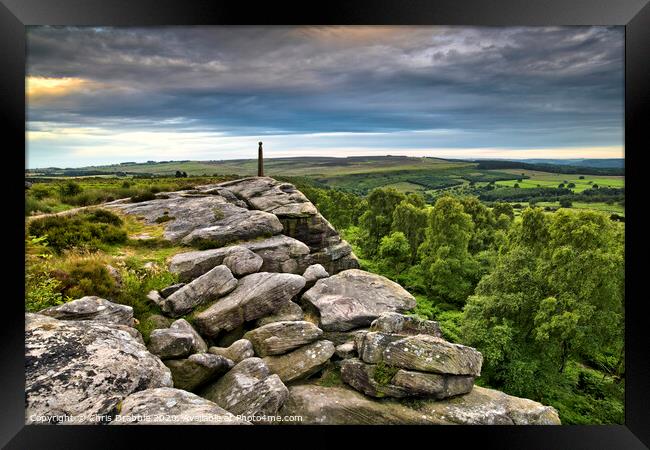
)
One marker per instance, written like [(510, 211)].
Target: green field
[(546, 179), (600, 206), (302, 166)]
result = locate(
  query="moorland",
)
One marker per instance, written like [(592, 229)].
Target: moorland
[(523, 262)]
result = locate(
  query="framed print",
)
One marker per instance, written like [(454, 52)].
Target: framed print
[(277, 221)]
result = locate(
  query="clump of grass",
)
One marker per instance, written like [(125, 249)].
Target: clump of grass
[(384, 373), (143, 197), (218, 214), (89, 230), (331, 377), (80, 275), (164, 218)]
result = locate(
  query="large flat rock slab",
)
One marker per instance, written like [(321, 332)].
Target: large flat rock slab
[(203, 219), (354, 298), (340, 405), (92, 308), (83, 369), (169, 406), (319, 405)]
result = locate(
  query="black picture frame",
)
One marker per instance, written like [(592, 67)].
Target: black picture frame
[(633, 14)]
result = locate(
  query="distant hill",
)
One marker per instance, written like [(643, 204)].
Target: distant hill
[(600, 163), (567, 168)]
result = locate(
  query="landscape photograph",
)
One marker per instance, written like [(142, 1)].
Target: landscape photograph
[(325, 225)]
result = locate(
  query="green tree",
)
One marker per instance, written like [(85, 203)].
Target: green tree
[(556, 294), (411, 220), (484, 224), (376, 222), (448, 269), (395, 252), (503, 208)]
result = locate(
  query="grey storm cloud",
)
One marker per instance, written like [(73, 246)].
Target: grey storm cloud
[(557, 86)]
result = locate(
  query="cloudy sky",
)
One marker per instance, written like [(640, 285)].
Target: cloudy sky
[(105, 95)]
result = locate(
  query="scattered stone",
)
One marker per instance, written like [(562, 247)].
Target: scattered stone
[(169, 406), (84, 368), (242, 261), (371, 379), (92, 308), (370, 346), (169, 290), (341, 337), (248, 389), (156, 298), (346, 350), (239, 259), (277, 338), (169, 344), (354, 298), (433, 384), (256, 295), (281, 254), (237, 352), (431, 354), (198, 344), (197, 369), (314, 273), (115, 275), (212, 285), (302, 362), (395, 323), (289, 311)]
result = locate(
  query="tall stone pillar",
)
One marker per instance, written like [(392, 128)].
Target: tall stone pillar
[(260, 161)]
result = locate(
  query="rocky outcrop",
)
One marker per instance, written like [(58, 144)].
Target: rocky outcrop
[(377, 380), (277, 338), (248, 209), (302, 362), (262, 311), (197, 369), (84, 369), (341, 405), (204, 219), (216, 283), (92, 308), (168, 406), (256, 295), (248, 389), (354, 298), (403, 356)]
